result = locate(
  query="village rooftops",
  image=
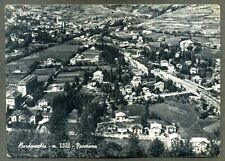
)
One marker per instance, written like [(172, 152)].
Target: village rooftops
[(44, 120), (120, 114), (14, 95), (164, 63), (156, 125), (13, 79), (27, 79), (187, 42), (159, 83), (91, 52), (199, 140), (22, 113)]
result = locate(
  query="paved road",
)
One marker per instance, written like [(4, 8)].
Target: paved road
[(173, 94), (136, 64)]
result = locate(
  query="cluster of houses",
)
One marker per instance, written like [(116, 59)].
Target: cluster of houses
[(216, 76), (122, 126), (16, 92), (90, 56), (193, 69), (34, 118), (51, 62), (50, 24), (213, 43), (25, 85), (19, 115), (132, 97), (148, 89), (96, 77)]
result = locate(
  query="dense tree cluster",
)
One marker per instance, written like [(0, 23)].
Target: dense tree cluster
[(135, 149), (111, 54), (182, 149), (156, 148)]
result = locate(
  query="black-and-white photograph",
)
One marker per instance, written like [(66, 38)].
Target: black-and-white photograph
[(112, 80)]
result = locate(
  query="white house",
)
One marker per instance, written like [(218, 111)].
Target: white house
[(27, 84), (123, 91), (199, 144), (89, 56), (128, 89), (216, 76), (164, 63), (160, 86), (122, 130), (126, 97), (98, 76), (177, 55), (174, 136), (197, 79), (13, 100), (51, 61), (19, 116), (193, 70), (188, 62), (32, 119), (216, 88), (169, 139), (91, 86), (120, 116), (155, 129), (136, 80), (145, 90), (149, 96), (171, 68), (147, 31), (56, 88), (73, 61), (42, 103), (170, 129), (185, 43)]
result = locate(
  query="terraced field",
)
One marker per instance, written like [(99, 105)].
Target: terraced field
[(200, 18)]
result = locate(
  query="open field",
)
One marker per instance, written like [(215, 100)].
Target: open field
[(211, 128), (184, 115), (209, 53), (62, 52), (136, 110), (155, 35)]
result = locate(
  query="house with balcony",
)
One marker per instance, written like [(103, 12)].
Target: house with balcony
[(200, 144)]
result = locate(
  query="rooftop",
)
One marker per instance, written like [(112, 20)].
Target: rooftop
[(199, 140), (91, 52), (13, 95), (27, 79)]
